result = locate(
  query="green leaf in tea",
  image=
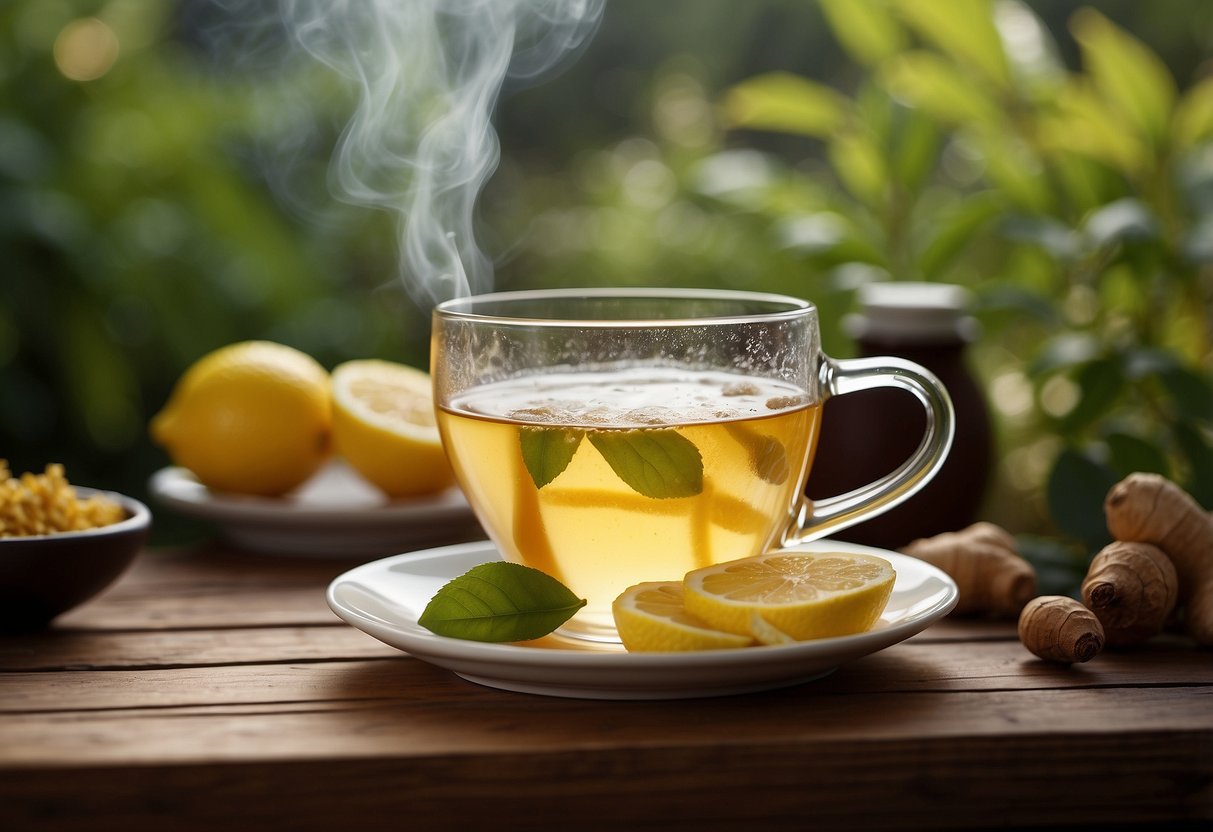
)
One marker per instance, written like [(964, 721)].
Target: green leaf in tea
[(498, 602), (659, 463), (768, 457), (548, 451)]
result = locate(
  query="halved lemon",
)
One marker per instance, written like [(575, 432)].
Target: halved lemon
[(384, 427), (803, 595), (650, 618)]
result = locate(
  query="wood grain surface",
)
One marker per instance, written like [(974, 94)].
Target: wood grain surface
[(212, 688)]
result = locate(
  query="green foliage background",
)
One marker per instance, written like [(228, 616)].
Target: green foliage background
[(1054, 157)]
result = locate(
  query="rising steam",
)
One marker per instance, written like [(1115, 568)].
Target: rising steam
[(421, 142)]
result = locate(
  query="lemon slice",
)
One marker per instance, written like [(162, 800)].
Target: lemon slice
[(383, 426), (650, 618), (765, 632), (803, 595)]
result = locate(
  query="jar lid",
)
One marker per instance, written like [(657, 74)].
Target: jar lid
[(913, 312)]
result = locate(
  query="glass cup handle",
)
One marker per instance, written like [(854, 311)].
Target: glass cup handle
[(815, 518)]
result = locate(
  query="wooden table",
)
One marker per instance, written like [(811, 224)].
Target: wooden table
[(213, 689)]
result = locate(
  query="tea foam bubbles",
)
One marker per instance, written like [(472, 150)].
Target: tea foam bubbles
[(631, 398)]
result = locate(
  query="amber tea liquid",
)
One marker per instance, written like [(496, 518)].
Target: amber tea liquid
[(604, 480)]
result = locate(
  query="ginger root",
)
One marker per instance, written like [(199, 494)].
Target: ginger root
[(1060, 629), (1132, 589), (1148, 508), (985, 563)]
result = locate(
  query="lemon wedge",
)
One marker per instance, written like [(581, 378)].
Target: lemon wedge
[(800, 595), (384, 427), (650, 618)]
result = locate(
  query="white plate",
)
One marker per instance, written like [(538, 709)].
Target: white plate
[(385, 598), (335, 514)]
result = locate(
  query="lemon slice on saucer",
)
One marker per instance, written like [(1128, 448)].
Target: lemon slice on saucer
[(650, 618), (801, 595), (384, 427)]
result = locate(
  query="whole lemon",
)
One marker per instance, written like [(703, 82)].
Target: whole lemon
[(252, 418)]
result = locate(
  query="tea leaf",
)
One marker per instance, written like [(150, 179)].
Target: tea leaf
[(656, 463), (500, 602), (548, 451), (768, 456)]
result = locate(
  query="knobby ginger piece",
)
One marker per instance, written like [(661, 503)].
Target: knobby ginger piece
[(983, 559)]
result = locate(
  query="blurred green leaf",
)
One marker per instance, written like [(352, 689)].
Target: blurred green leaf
[(1060, 566), (1083, 123), (1100, 383), (1083, 182), (1194, 171), (828, 238), (1191, 391), (1140, 362), (1054, 237), (865, 28), (916, 149), (860, 166), (957, 230), (1126, 73), (1193, 119), (1197, 243), (1063, 351), (1128, 453), (1019, 301), (1017, 170), (787, 103), (930, 82), (1123, 220), (965, 30), (1075, 493), (1031, 49), (1199, 455)]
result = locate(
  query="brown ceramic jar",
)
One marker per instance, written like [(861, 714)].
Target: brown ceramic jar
[(867, 434)]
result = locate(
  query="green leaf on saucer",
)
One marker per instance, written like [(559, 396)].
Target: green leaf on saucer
[(658, 463), (500, 602), (548, 451)]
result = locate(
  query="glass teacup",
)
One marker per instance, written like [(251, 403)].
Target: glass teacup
[(609, 437)]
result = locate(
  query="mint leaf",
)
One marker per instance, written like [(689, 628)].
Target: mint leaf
[(659, 463), (768, 457), (548, 451), (500, 601)]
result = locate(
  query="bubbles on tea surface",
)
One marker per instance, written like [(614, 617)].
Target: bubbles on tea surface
[(740, 388), (786, 402), (636, 398)]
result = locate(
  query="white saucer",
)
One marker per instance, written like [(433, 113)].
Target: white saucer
[(385, 598), (334, 514)]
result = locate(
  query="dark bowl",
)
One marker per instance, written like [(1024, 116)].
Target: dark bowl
[(46, 575)]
